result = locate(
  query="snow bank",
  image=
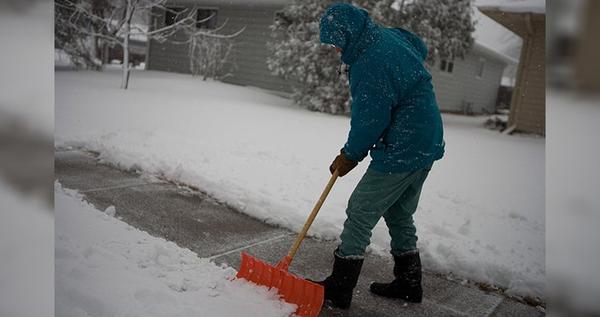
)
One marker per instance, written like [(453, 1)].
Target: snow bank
[(482, 209), (105, 267), (26, 255)]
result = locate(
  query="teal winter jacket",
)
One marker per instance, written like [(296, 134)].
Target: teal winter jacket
[(395, 115)]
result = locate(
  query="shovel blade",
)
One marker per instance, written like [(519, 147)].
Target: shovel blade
[(306, 295)]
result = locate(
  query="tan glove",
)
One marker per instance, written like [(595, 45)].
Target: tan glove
[(342, 164)]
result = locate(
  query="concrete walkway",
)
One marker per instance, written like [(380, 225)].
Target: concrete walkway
[(214, 230)]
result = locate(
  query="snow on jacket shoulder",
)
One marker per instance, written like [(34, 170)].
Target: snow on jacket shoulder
[(395, 115)]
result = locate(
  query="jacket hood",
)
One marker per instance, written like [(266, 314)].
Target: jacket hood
[(418, 47), (348, 28)]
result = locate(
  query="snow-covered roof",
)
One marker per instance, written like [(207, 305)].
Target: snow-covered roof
[(495, 53), (517, 6), (495, 36)]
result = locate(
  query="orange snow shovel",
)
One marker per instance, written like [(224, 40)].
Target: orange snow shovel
[(308, 296)]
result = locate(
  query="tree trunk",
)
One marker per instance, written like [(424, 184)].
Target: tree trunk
[(125, 78), (105, 53), (94, 53)]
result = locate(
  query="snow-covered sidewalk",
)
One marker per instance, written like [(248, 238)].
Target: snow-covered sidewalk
[(482, 210), (104, 267)]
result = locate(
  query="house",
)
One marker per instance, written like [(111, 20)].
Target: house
[(250, 53), (470, 85), (467, 85), (528, 20)]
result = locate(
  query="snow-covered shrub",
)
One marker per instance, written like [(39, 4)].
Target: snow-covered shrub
[(297, 55), (111, 23), (210, 52), (72, 35), (209, 55)]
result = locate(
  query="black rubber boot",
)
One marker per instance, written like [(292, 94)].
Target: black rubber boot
[(340, 284), (407, 285)]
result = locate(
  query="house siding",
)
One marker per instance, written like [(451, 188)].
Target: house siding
[(529, 101), (250, 53), (461, 87), (528, 104)]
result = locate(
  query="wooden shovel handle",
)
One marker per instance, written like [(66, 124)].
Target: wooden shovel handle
[(312, 215)]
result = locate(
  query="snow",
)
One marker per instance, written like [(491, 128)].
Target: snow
[(492, 51), (26, 89), (495, 36), (138, 32), (518, 6), (573, 205), (104, 267), (62, 59), (481, 214), (26, 255)]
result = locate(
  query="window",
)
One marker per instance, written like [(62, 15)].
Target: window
[(446, 66), (480, 68), (172, 15), (201, 19)]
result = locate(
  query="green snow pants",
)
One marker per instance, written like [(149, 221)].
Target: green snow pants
[(391, 196)]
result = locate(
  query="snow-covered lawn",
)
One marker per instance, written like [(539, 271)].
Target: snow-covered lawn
[(104, 267), (481, 214)]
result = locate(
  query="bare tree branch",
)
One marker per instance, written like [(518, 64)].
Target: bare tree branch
[(188, 19)]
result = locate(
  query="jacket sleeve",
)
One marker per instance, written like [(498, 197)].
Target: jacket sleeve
[(371, 113)]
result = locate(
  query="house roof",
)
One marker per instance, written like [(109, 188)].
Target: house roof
[(496, 36), (483, 48), (515, 6), (522, 17)]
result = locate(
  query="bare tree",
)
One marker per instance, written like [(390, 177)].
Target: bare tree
[(112, 23)]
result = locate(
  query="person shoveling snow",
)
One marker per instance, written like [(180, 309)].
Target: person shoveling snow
[(395, 118)]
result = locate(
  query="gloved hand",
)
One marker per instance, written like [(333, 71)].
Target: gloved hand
[(342, 164)]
